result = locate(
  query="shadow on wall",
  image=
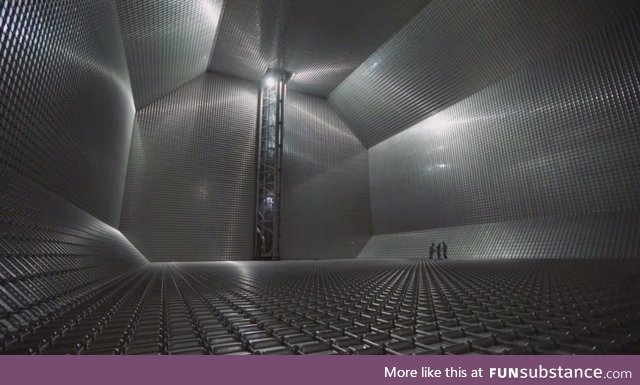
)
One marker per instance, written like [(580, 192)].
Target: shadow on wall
[(325, 203)]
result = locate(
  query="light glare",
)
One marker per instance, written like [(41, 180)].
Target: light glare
[(270, 82)]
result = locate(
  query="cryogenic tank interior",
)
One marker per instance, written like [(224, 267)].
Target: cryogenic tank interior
[(319, 177)]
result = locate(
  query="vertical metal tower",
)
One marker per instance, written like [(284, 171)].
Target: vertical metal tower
[(270, 127)]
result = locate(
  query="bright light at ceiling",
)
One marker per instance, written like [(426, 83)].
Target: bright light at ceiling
[(270, 82)]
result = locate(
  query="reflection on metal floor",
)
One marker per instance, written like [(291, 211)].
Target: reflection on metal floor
[(348, 307)]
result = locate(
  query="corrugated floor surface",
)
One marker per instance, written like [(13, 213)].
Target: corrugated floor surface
[(342, 307)]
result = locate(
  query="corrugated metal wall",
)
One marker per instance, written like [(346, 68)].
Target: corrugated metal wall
[(191, 183), (601, 235), (543, 141), (557, 139), (453, 49), (66, 114), (325, 193), (54, 257), (66, 109), (168, 43), (42, 231)]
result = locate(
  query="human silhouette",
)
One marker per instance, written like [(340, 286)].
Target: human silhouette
[(444, 250), (432, 250), (439, 250)]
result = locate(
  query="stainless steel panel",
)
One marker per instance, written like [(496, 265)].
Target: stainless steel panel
[(556, 139), (603, 235), (358, 307), (190, 188), (321, 41), (37, 223), (168, 43), (66, 114), (453, 49), (54, 257), (66, 109), (325, 193)]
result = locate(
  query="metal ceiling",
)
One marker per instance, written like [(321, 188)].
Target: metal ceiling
[(168, 43), (321, 41), (385, 65), (453, 49)]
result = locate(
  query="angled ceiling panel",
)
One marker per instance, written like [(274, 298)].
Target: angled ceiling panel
[(321, 41), (453, 49), (168, 43)]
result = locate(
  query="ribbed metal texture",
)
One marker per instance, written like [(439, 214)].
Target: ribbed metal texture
[(365, 307), (453, 49), (36, 223), (191, 184), (51, 254), (325, 192), (66, 109), (606, 235), (66, 113), (557, 139), (321, 41), (168, 43)]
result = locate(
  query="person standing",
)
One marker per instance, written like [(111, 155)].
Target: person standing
[(444, 250), (432, 250), (439, 250)]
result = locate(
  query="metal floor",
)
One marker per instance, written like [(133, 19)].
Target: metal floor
[(349, 307)]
